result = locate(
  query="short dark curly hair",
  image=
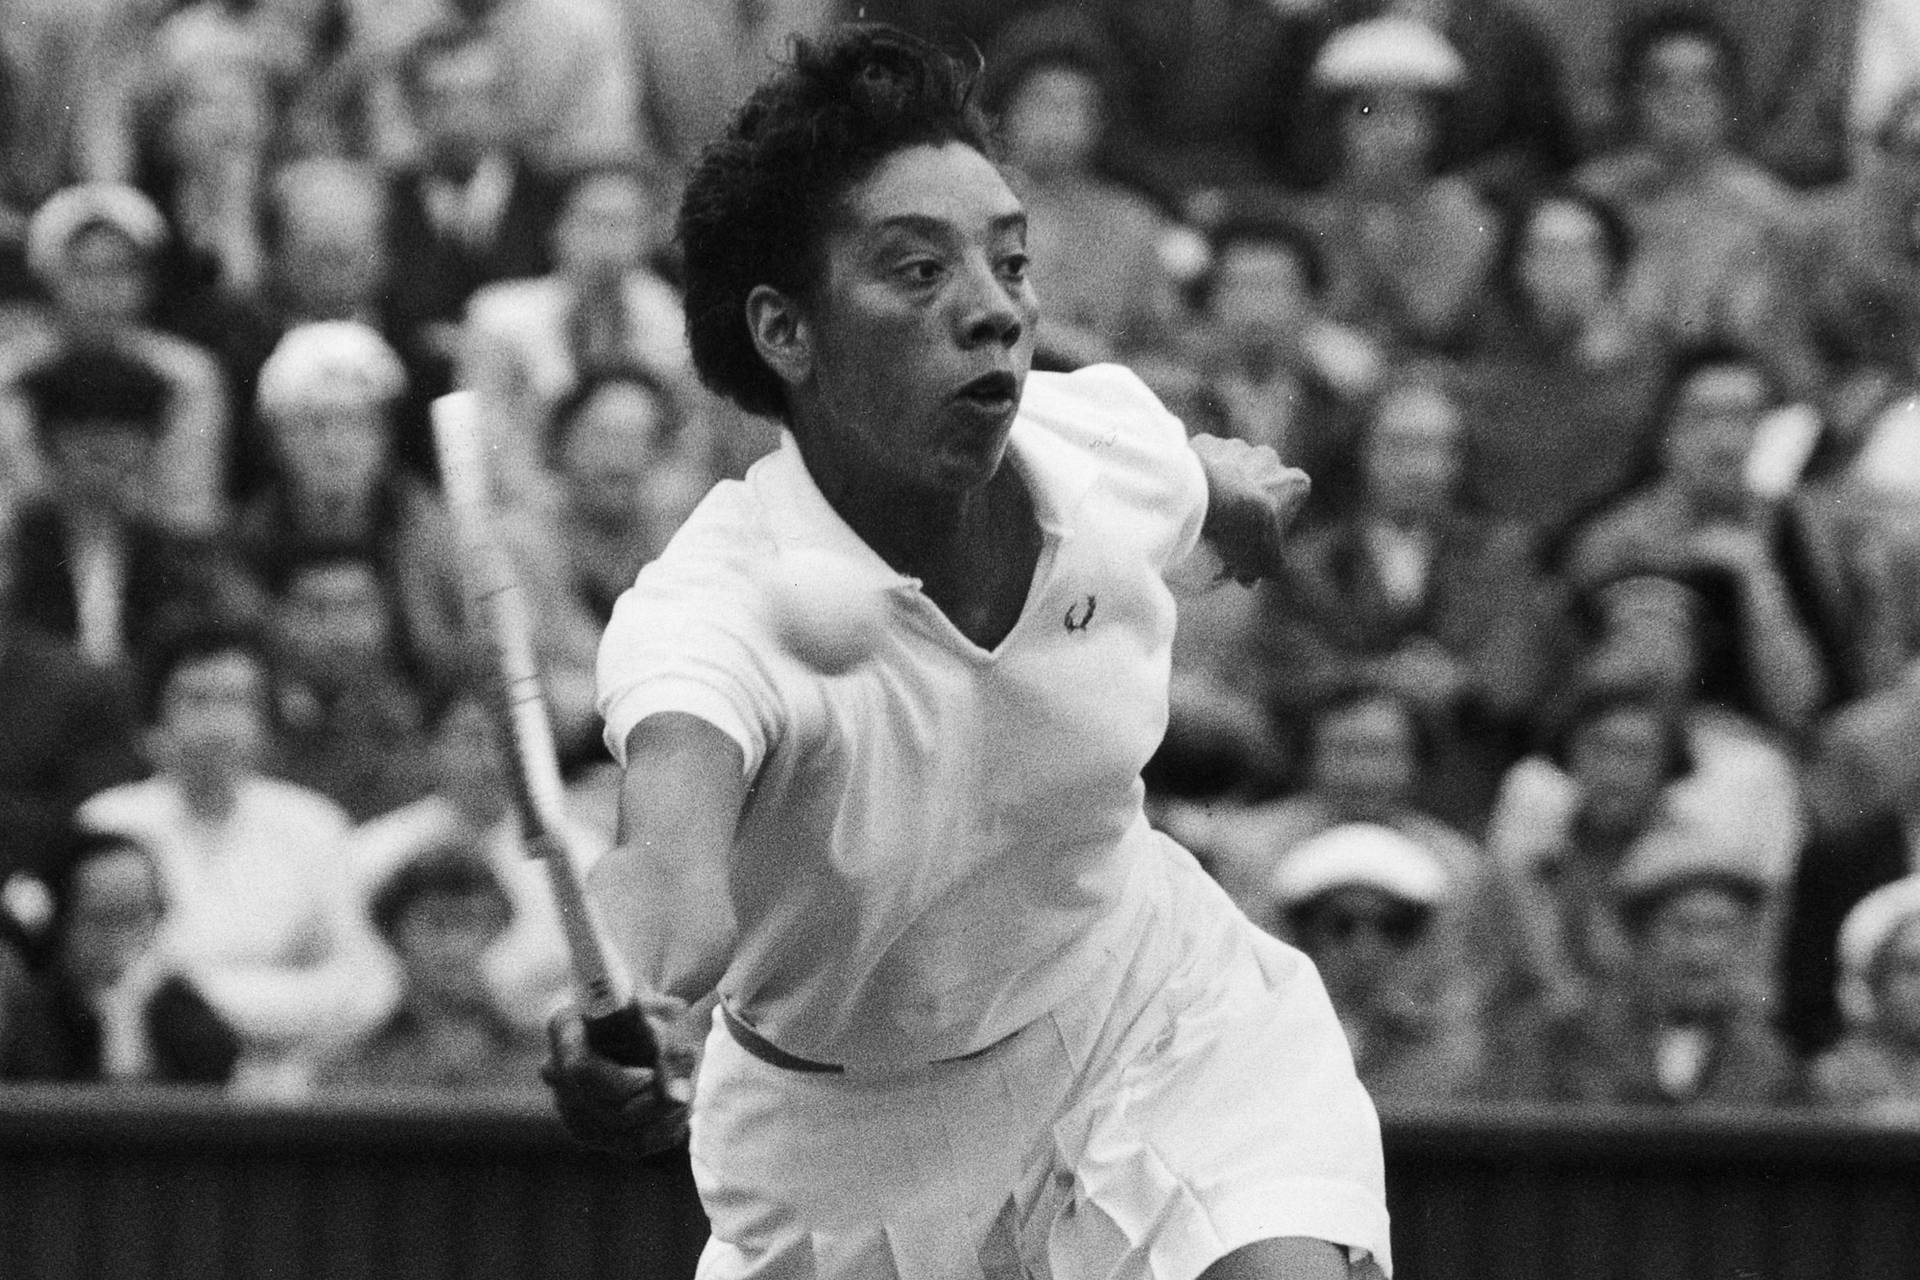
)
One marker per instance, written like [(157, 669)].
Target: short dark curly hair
[(760, 200)]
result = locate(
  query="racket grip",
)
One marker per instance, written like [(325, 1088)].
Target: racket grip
[(624, 1037)]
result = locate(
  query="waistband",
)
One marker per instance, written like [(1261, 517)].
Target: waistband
[(774, 1056)]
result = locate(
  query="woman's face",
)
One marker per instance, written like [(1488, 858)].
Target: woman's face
[(213, 715), (1387, 136), (1711, 430), (1697, 945), (1363, 941), (612, 448), (1052, 122), (113, 919), (1412, 457), (1564, 270), (1619, 760), (1365, 758), (334, 445), (604, 227), (102, 281), (1896, 984), (1682, 95), (1261, 294), (905, 363)]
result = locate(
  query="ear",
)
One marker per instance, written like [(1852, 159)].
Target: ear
[(781, 334)]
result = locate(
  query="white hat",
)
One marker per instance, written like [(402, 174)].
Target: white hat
[(1869, 927), (326, 361), (1675, 853), (1361, 855), (1388, 53), (71, 210)]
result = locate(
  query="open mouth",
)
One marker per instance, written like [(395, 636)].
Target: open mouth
[(995, 392)]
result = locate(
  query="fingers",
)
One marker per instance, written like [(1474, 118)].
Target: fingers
[(605, 1104)]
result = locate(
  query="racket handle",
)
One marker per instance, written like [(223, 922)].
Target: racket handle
[(624, 1037)]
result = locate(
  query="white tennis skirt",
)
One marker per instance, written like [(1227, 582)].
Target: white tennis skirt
[(1196, 1097)]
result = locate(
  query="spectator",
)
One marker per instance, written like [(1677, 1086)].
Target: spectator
[(1366, 903), (1507, 126), (210, 124), (530, 343), (323, 231), (1800, 56), (1875, 1069), (626, 483), (1702, 519), (1213, 93), (470, 209), (1409, 591), (327, 396), (1560, 397), (1409, 252), (66, 67), (1719, 258), (1682, 1026), (350, 719), (525, 967), (1362, 763), (262, 919), (1275, 369), (66, 731), (697, 62), (1885, 61), (1095, 245), (93, 249), (1619, 766), (1863, 269), (569, 94), (102, 1008), (94, 568), (441, 911)]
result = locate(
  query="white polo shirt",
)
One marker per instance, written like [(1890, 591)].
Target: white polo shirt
[(940, 844)]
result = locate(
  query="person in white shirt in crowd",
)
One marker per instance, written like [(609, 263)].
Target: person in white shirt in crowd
[(529, 343), (262, 916)]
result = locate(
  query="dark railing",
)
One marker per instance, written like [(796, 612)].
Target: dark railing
[(144, 1186)]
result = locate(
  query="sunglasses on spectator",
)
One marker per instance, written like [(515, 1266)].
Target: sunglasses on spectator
[(1401, 927)]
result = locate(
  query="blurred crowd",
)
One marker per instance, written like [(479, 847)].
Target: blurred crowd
[(1578, 743)]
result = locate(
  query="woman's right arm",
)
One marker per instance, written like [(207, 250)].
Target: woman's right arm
[(662, 890)]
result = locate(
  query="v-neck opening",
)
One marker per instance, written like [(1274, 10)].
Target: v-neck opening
[(1047, 520)]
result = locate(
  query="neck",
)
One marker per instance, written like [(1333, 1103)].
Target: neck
[(922, 535), (209, 796)]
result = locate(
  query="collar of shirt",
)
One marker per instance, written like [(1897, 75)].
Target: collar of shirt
[(1057, 478)]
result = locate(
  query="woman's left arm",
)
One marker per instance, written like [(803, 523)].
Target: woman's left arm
[(1252, 500)]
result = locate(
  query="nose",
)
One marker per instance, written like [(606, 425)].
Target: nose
[(993, 310)]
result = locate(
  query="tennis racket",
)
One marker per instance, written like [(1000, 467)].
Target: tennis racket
[(616, 1027)]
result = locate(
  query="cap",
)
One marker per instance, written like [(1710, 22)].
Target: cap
[(1869, 927), (1675, 854), (326, 361), (71, 210), (1361, 855), (1388, 53)]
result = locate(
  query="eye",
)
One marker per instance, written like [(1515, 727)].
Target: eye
[(921, 271), (1014, 267)]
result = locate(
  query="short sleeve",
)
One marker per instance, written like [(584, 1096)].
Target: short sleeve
[(1144, 460), (691, 637)]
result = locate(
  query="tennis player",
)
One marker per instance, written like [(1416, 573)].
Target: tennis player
[(977, 1018)]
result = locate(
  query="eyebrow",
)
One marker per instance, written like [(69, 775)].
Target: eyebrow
[(926, 225)]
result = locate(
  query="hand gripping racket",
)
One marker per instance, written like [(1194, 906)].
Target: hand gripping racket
[(616, 1027)]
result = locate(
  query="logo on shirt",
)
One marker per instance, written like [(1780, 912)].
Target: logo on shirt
[(1080, 614)]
